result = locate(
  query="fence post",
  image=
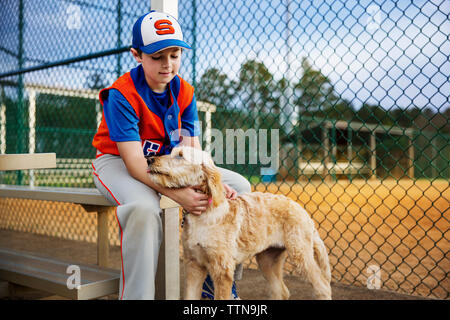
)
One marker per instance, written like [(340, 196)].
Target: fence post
[(98, 112), (208, 109), (289, 114), (20, 111), (326, 151), (2, 122), (167, 6), (194, 43), (350, 158), (333, 151), (411, 155), (119, 41), (31, 128), (373, 154)]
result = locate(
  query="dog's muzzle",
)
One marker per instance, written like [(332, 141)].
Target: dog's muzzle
[(150, 160)]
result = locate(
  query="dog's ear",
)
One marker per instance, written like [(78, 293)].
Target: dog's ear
[(214, 184)]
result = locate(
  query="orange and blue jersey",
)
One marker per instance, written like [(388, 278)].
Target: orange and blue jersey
[(133, 112)]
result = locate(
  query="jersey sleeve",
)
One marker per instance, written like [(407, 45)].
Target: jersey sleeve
[(189, 119), (120, 118)]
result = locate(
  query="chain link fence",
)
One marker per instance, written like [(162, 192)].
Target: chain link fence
[(341, 105)]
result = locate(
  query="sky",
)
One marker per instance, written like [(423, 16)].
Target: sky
[(391, 53), (387, 53)]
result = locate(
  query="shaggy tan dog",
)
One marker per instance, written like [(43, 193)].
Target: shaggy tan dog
[(231, 231)]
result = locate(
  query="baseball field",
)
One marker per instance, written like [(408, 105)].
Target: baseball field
[(398, 226)]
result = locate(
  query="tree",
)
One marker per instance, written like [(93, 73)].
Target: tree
[(342, 110), (256, 87), (373, 114), (95, 81), (314, 90), (281, 90), (216, 88)]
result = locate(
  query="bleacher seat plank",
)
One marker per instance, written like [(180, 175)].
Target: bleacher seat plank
[(51, 275), (42, 273), (21, 161), (76, 195)]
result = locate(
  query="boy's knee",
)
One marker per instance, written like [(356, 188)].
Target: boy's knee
[(243, 186), (236, 181), (146, 213)]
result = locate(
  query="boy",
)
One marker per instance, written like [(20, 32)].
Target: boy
[(143, 112)]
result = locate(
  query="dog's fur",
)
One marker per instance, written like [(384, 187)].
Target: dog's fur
[(269, 226)]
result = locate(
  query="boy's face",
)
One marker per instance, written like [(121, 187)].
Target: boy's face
[(160, 67)]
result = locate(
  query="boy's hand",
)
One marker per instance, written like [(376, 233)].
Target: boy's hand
[(192, 201), (230, 192)]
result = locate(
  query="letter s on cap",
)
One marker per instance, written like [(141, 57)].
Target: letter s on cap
[(164, 27)]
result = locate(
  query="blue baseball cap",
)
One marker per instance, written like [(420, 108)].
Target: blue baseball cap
[(156, 31)]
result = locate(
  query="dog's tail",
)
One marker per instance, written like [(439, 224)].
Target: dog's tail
[(321, 256)]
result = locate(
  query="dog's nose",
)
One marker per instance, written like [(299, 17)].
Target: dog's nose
[(150, 160)]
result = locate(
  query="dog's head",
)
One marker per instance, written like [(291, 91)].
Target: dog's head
[(187, 167)]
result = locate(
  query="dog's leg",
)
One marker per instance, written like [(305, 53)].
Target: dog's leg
[(271, 262), (321, 286), (300, 246), (321, 256), (195, 275), (222, 272), (303, 259), (223, 281)]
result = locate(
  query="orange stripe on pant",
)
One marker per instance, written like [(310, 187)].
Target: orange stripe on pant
[(118, 222)]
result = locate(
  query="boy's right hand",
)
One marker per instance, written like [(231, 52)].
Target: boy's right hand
[(131, 153), (192, 201)]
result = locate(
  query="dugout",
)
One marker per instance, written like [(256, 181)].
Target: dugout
[(333, 149)]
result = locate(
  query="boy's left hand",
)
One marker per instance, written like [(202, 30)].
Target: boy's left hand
[(230, 193)]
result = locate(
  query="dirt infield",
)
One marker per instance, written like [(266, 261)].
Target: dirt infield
[(252, 285), (402, 227)]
